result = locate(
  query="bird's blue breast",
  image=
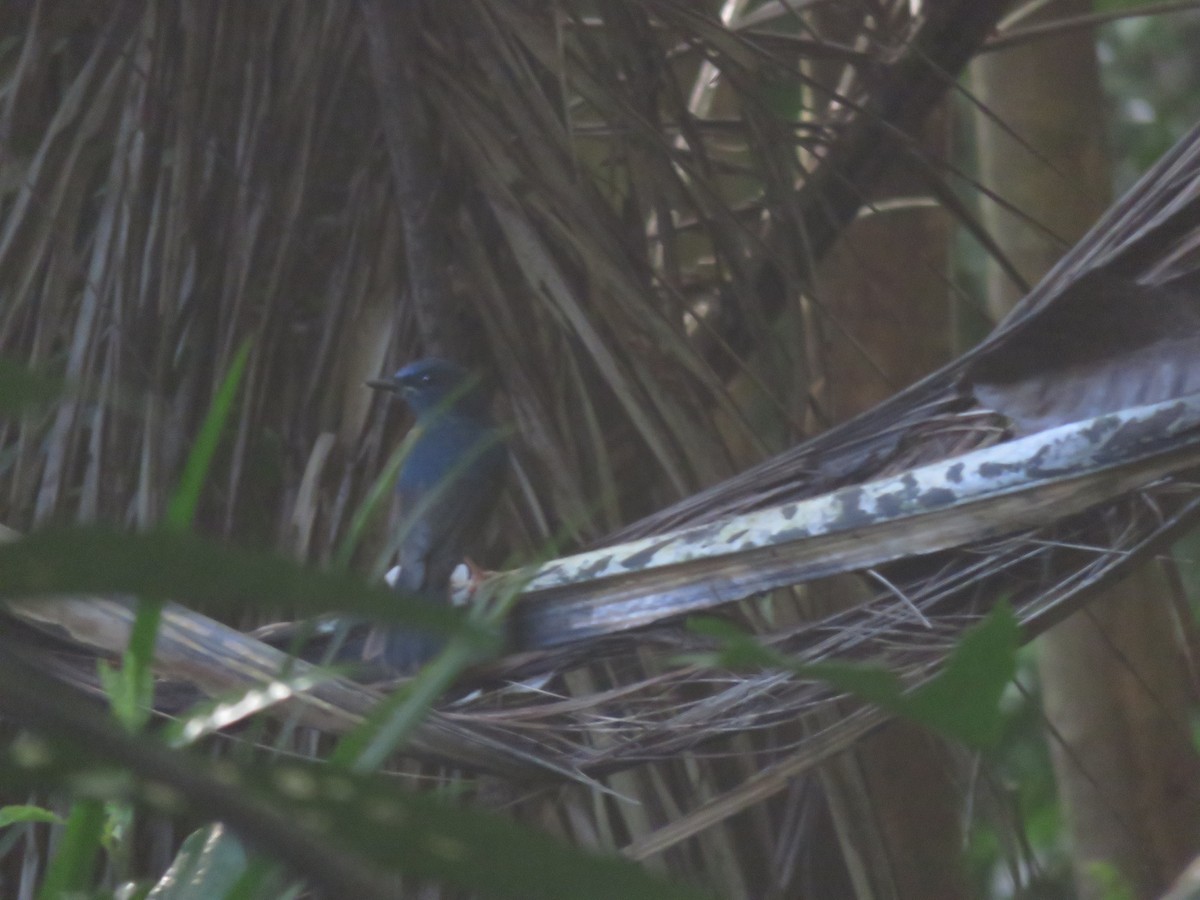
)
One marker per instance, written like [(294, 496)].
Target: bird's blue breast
[(452, 449)]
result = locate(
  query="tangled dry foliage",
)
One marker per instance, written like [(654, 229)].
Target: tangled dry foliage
[(613, 209), (1126, 296)]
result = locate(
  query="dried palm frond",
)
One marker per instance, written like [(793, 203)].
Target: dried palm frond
[(1040, 520), (637, 196), (1144, 239)]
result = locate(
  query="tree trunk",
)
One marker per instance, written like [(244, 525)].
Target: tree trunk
[(1113, 677), (888, 322)]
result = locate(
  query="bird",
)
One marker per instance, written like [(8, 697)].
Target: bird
[(448, 486)]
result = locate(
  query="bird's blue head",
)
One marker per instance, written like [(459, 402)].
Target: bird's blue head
[(437, 385)]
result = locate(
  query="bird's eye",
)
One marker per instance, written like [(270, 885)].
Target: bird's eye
[(425, 378)]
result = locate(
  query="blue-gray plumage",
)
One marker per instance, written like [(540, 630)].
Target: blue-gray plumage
[(448, 487)]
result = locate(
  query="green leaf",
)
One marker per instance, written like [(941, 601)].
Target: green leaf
[(739, 650), (209, 864), (208, 717), (11, 815), (130, 697), (70, 869), (182, 508), (132, 688), (22, 389), (349, 833), (186, 567), (394, 719), (962, 701), (377, 495), (871, 683)]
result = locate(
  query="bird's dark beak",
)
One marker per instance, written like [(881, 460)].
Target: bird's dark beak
[(383, 384)]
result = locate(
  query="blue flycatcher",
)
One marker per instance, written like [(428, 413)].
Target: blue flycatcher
[(448, 486)]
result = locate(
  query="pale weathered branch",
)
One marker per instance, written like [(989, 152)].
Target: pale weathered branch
[(987, 493)]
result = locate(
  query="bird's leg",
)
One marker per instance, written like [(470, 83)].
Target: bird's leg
[(465, 581)]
